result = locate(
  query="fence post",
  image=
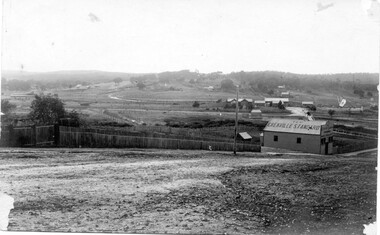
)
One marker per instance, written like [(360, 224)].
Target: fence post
[(56, 134), (11, 137), (34, 135)]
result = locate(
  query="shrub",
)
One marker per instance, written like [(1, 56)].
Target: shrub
[(196, 104)]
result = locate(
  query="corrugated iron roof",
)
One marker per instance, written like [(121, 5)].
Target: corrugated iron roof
[(240, 100), (295, 126), (245, 135), (256, 111), (259, 101), (307, 102), (249, 100), (276, 100)]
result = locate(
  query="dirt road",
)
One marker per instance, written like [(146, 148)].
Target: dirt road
[(156, 191)]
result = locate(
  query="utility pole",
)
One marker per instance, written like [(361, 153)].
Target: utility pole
[(236, 117)]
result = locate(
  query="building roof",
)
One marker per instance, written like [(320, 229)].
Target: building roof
[(356, 109), (23, 95), (256, 111), (245, 135), (295, 126), (249, 100), (276, 100), (259, 101), (240, 100), (285, 93), (307, 102)]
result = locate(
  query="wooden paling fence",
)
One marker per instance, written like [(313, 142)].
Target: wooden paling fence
[(78, 137), (27, 136), (357, 147)]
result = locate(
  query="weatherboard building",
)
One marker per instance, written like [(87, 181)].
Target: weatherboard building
[(299, 135)]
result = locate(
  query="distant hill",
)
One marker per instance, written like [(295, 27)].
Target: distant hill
[(90, 76)]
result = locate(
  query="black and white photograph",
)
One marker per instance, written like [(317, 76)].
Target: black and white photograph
[(189, 116)]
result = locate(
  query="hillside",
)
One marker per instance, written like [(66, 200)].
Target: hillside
[(68, 75)]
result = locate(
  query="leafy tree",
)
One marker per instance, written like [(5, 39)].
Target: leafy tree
[(71, 119), (270, 92), (312, 107), (117, 80), (281, 105), (141, 85), (359, 92), (47, 109), (7, 107), (369, 94), (196, 104), (227, 85), (331, 112)]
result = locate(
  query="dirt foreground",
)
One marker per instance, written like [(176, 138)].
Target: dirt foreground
[(165, 191)]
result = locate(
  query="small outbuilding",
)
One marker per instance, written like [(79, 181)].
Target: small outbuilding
[(259, 103), (244, 136), (275, 101), (299, 135), (255, 114), (285, 94)]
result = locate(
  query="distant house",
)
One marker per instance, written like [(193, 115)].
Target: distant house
[(275, 101), (244, 103), (285, 94), (80, 87), (231, 100), (28, 96), (255, 114), (307, 103), (85, 104), (281, 87), (356, 110), (259, 103), (209, 88)]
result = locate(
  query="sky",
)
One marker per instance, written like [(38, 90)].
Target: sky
[(141, 36)]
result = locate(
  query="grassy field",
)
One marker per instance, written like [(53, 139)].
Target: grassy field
[(151, 191)]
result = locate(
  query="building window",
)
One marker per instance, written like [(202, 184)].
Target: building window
[(298, 140), (331, 139), (323, 141), (275, 138)]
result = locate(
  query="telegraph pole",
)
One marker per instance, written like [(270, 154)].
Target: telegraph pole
[(236, 117)]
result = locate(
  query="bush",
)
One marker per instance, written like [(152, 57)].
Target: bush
[(227, 85), (312, 107), (331, 112), (196, 104), (7, 107), (141, 85)]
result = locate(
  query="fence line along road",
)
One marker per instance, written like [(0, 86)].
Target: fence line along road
[(77, 137), (357, 134)]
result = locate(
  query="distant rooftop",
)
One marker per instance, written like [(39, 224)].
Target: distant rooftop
[(276, 100)]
